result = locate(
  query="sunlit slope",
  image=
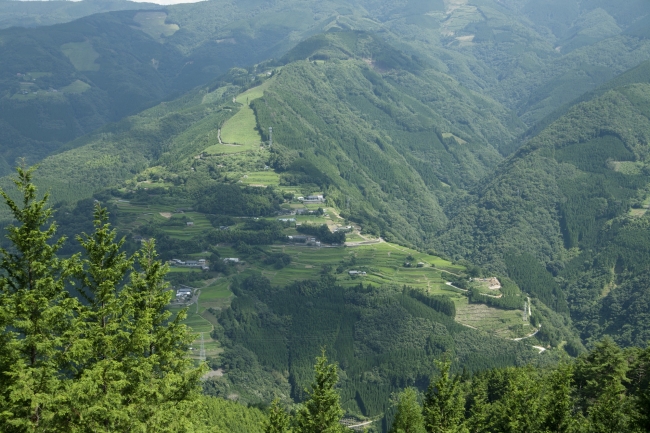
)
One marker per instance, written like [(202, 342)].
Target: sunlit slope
[(242, 127)]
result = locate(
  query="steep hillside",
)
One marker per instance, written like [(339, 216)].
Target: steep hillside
[(60, 82), (574, 198), (80, 75), (385, 138), (46, 13)]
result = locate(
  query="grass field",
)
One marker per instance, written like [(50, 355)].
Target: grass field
[(38, 75), (450, 135), (76, 87), (133, 215), (261, 178), (82, 55), (225, 149), (153, 24), (242, 127)]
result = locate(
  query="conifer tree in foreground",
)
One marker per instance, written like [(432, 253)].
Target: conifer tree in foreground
[(115, 363), (444, 405), (37, 316), (322, 411), (279, 420), (409, 417)]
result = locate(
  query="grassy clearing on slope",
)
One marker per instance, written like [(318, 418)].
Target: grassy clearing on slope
[(76, 87), (225, 149), (242, 127), (82, 55), (382, 262), (153, 24), (259, 178)]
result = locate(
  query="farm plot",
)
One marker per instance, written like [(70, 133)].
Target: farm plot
[(261, 178), (503, 323), (383, 264)]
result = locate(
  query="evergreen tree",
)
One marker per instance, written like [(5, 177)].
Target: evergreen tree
[(641, 388), (322, 411), (409, 417), (559, 406), (117, 363), (279, 420), (36, 314), (444, 405), (478, 414), (136, 373), (519, 408)]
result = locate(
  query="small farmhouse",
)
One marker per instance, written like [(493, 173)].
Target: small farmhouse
[(183, 293)]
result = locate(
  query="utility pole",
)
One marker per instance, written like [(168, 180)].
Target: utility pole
[(202, 351)]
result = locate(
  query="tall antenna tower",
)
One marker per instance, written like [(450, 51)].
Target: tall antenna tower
[(526, 311), (270, 136), (202, 351)]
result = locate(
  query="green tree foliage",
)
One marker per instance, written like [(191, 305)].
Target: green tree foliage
[(38, 315), (322, 233), (526, 271), (408, 418), (117, 362), (441, 304), (322, 411), (279, 420), (444, 405)]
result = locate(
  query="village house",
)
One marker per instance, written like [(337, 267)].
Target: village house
[(314, 199), (190, 223), (183, 293), (357, 273), (231, 260)]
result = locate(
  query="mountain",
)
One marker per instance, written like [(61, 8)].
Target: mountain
[(394, 182), (46, 13), (385, 136), (509, 51), (573, 200)]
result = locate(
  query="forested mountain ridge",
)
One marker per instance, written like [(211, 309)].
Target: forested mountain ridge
[(573, 198), (30, 14), (507, 50), (382, 134)]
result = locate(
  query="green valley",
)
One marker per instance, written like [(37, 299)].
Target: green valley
[(446, 199)]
